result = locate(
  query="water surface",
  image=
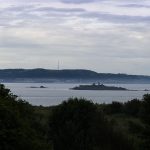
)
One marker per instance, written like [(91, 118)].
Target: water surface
[(55, 93)]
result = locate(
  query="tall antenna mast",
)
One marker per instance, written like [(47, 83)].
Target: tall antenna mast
[(58, 65)]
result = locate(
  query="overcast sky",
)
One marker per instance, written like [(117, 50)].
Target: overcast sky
[(101, 35)]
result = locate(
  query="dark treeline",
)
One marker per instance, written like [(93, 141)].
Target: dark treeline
[(76, 74), (20, 126), (76, 124)]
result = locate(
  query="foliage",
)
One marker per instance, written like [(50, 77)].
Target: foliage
[(133, 107), (146, 109), (19, 129), (77, 124), (132, 118)]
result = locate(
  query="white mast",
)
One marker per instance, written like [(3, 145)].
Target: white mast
[(58, 67)]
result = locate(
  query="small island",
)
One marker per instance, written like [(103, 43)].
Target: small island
[(98, 87), (41, 87)]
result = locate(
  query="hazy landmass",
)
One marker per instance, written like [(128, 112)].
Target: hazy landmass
[(68, 75)]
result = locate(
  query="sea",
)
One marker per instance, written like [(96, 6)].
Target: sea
[(55, 93)]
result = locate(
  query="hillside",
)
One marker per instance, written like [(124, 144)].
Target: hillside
[(77, 75)]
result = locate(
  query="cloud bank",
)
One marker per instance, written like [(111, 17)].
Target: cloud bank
[(77, 1), (105, 36)]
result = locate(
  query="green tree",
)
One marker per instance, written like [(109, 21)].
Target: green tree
[(19, 129), (133, 107), (78, 124)]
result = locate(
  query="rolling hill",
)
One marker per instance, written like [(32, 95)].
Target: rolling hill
[(70, 75)]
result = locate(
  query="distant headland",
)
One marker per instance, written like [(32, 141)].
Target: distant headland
[(68, 76)]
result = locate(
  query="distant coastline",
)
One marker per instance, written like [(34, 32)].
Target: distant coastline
[(68, 76)]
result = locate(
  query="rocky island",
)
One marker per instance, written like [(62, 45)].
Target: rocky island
[(98, 87), (41, 87)]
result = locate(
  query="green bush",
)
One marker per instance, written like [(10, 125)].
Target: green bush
[(78, 124)]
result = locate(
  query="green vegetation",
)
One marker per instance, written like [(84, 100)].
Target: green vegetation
[(76, 124), (20, 125)]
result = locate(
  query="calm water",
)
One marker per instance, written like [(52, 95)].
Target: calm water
[(56, 93)]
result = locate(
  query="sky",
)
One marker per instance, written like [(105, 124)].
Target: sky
[(111, 36)]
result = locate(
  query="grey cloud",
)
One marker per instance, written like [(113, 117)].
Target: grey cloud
[(59, 14), (53, 9), (77, 1), (106, 17), (18, 44), (15, 8), (18, 8), (32, 8), (13, 42), (135, 6), (34, 13), (124, 19)]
